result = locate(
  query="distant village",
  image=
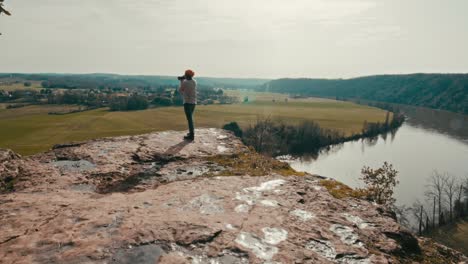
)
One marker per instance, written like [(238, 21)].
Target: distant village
[(18, 93)]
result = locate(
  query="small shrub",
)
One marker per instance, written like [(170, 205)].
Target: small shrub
[(380, 184), (123, 103), (162, 101), (276, 138), (235, 128)]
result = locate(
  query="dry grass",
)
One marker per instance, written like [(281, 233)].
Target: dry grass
[(269, 97), (340, 190), (35, 85), (253, 164), (343, 116), (453, 235), (33, 110)]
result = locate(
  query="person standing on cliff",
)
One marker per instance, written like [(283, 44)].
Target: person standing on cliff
[(188, 90)]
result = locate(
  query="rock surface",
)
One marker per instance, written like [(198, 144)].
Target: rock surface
[(156, 199)]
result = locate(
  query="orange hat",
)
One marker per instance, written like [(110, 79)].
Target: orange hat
[(189, 73)]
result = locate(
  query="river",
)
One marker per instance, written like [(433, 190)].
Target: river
[(429, 140)]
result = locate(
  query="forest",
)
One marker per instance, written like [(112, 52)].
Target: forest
[(438, 91)]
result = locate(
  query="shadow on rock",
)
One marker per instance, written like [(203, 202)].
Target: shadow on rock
[(176, 148)]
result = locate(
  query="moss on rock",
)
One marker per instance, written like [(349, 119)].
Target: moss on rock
[(340, 190), (253, 164)]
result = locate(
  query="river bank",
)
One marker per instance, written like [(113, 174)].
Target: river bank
[(275, 137), (416, 149)]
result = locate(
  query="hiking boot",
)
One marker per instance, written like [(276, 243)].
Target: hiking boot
[(189, 137)]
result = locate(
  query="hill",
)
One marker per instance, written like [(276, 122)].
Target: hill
[(156, 199), (437, 91)]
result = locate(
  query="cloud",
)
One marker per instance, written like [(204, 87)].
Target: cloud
[(232, 38), (222, 20)]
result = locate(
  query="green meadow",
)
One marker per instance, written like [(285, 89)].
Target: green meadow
[(31, 129), (35, 85)]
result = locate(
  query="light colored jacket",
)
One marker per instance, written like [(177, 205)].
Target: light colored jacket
[(188, 90)]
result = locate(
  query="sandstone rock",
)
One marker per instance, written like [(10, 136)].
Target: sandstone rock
[(157, 199)]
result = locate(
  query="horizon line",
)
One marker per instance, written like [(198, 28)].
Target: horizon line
[(245, 78)]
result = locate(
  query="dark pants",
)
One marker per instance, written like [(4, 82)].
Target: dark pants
[(188, 109)]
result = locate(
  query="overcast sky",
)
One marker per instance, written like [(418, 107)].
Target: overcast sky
[(235, 38)]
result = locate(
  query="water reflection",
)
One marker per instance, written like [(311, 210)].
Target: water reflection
[(415, 150), (309, 157), (450, 124)]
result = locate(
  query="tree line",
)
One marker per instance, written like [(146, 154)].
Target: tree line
[(277, 138), (115, 81), (437, 91)]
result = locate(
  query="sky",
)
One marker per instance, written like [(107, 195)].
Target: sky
[(236, 38)]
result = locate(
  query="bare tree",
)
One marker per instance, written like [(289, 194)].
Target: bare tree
[(416, 210), (436, 188), (450, 190), (465, 190), (421, 215), (459, 210), (433, 212), (459, 191), (3, 10), (262, 136), (465, 187)]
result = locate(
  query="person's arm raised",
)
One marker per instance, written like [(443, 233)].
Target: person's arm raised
[(181, 87)]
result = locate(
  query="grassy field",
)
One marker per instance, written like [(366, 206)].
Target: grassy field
[(30, 129), (269, 97), (35, 85)]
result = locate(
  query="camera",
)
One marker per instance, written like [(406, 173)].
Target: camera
[(180, 78)]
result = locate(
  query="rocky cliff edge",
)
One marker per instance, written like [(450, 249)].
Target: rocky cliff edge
[(157, 199)]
